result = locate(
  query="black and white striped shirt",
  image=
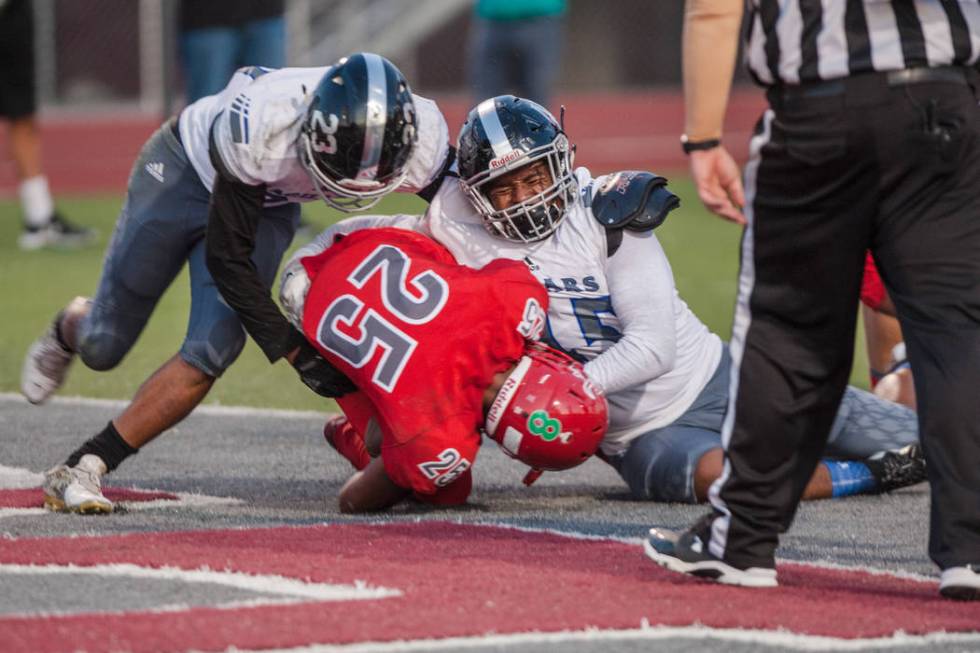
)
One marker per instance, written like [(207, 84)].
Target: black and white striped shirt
[(798, 41)]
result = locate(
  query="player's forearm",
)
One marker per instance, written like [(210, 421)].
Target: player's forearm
[(710, 46), (628, 363), (370, 490), (641, 286)]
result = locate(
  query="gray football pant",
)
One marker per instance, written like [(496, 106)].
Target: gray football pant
[(659, 465), (162, 226)]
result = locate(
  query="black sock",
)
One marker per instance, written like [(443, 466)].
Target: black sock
[(107, 445)]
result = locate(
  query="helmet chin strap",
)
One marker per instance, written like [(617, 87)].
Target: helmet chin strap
[(532, 476)]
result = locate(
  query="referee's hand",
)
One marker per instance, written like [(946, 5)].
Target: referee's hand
[(719, 182)]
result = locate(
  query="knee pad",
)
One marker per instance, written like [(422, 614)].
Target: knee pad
[(655, 472), (214, 348), (103, 350)]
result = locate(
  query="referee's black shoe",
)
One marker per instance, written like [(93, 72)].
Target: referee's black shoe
[(687, 552)]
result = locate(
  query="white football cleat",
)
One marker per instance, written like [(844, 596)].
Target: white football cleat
[(45, 367), (57, 233), (77, 489)]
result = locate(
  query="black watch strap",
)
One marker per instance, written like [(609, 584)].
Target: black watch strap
[(690, 146)]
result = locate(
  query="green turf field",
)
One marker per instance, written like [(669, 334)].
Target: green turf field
[(703, 251)]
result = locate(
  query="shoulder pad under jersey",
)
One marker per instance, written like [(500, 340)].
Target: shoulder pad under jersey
[(634, 200)]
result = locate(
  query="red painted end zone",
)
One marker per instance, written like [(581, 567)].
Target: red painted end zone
[(458, 581), (34, 497)]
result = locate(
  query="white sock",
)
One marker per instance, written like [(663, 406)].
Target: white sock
[(36, 200)]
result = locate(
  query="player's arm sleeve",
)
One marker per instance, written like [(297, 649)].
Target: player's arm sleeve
[(454, 494), (233, 217), (710, 44), (641, 287)]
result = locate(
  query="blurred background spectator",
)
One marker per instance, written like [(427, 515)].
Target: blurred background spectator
[(107, 72), (43, 225), (516, 47), (219, 36)]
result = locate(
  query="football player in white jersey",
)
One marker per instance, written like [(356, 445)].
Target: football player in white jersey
[(219, 188), (614, 306)]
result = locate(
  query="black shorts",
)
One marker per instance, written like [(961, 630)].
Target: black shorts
[(17, 93)]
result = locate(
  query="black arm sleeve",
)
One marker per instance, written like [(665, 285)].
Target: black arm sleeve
[(235, 211)]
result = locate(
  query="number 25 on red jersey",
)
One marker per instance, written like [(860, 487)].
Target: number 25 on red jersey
[(413, 301)]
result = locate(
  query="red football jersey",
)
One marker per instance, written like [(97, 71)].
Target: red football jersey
[(421, 336), (872, 287)]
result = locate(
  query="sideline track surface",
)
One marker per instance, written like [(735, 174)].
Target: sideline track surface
[(228, 536)]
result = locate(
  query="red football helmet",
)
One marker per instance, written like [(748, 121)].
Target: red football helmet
[(547, 414)]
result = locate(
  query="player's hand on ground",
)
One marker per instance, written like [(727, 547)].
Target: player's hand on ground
[(319, 375), (719, 182)]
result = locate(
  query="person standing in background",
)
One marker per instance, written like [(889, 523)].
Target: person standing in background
[(217, 37), (43, 225), (515, 47), (871, 142)]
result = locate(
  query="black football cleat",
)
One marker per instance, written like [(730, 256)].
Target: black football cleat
[(897, 469)]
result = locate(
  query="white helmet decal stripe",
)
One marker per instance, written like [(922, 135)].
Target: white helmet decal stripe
[(504, 396), (377, 116), (493, 129)]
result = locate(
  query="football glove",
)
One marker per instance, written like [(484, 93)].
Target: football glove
[(319, 375)]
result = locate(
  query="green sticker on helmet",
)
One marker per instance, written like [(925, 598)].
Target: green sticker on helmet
[(544, 426)]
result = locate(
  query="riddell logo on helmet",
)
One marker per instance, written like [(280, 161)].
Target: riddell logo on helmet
[(507, 158), (497, 408)]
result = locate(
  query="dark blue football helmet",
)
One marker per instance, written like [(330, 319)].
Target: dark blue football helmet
[(359, 132), (504, 134)]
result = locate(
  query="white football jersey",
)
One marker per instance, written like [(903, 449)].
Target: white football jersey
[(620, 315), (259, 115)]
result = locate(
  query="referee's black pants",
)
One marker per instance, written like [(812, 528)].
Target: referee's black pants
[(871, 162)]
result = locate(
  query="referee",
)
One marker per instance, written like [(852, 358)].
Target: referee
[(871, 141)]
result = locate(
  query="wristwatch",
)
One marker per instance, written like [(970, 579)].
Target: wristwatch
[(690, 146)]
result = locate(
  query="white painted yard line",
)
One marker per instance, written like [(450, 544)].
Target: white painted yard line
[(284, 590), (266, 584), (18, 478), (233, 411), (21, 512), (781, 639), (15, 478)]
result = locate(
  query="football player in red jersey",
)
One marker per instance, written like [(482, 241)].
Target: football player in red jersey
[(891, 375), (438, 352)]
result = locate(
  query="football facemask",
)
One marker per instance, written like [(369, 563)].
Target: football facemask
[(504, 134)]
